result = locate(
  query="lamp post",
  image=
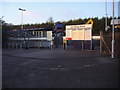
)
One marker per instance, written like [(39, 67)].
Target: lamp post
[(25, 40), (113, 32), (106, 27), (22, 16)]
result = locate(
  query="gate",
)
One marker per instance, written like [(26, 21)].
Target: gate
[(106, 43)]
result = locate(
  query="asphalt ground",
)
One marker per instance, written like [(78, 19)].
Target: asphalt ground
[(58, 68)]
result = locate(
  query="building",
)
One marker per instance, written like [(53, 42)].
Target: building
[(30, 38), (116, 23)]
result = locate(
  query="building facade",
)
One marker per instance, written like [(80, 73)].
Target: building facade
[(30, 38)]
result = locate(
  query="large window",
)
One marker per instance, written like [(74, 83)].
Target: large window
[(39, 34)]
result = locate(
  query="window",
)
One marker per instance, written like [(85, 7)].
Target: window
[(39, 33), (44, 33)]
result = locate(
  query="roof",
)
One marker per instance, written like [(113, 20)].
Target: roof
[(37, 29), (25, 33), (116, 21)]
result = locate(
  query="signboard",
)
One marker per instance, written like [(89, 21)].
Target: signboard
[(79, 32), (69, 33), (88, 34), (78, 35)]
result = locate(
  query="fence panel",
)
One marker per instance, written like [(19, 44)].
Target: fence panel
[(108, 40)]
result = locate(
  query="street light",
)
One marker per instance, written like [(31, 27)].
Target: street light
[(22, 16), (106, 27)]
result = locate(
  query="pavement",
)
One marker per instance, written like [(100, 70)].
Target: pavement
[(58, 68)]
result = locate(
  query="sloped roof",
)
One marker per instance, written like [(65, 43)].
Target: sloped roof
[(116, 21)]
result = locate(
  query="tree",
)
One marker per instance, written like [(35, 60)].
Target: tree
[(5, 28), (50, 20)]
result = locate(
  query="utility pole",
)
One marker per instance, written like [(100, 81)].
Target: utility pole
[(113, 33)]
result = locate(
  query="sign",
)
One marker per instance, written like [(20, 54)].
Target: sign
[(79, 27), (64, 41), (88, 34), (69, 33), (77, 35), (79, 32)]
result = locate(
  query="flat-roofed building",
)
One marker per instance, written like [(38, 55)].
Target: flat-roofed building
[(30, 38)]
